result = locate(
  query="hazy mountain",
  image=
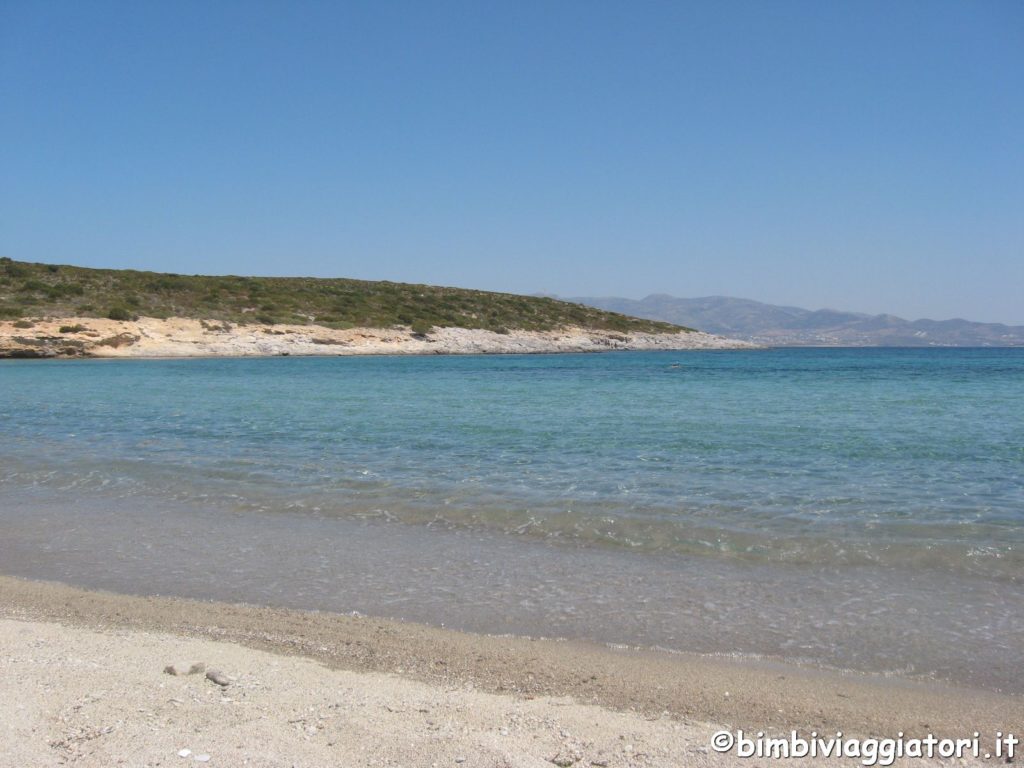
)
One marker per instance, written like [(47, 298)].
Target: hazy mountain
[(793, 326)]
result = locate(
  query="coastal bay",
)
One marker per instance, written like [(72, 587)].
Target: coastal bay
[(309, 459)]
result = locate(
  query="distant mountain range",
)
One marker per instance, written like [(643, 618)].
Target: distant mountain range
[(792, 326)]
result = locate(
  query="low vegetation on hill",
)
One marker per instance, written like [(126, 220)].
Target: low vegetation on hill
[(51, 290)]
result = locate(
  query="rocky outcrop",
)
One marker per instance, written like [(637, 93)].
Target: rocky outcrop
[(23, 346)]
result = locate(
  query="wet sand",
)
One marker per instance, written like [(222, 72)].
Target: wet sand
[(664, 704)]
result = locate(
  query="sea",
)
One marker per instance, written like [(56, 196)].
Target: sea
[(860, 509)]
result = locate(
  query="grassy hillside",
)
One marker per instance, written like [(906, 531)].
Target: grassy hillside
[(33, 290)]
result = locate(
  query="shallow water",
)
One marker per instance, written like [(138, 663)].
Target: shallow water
[(858, 508)]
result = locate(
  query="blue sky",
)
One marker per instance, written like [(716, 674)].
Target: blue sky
[(856, 155)]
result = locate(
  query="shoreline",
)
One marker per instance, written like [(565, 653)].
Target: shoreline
[(742, 693), (87, 337), (876, 621)]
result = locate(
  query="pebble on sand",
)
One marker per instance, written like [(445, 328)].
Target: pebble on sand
[(218, 677), (181, 669)]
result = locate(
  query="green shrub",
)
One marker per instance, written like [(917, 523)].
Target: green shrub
[(64, 289), (23, 324), (72, 328), (339, 325), (120, 313), (421, 328), (168, 283)]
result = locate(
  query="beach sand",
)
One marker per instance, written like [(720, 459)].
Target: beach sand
[(82, 682)]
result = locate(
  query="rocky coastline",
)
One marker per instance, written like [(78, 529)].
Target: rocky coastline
[(88, 337)]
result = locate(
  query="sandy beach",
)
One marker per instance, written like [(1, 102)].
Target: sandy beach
[(84, 682), (184, 337)]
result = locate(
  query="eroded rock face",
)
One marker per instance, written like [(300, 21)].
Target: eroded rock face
[(184, 337), (15, 352), (40, 347), (116, 342), (39, 342)]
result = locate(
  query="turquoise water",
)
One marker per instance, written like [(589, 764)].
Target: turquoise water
[(897, 471)]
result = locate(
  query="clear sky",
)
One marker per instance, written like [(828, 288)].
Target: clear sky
[(855, 155)]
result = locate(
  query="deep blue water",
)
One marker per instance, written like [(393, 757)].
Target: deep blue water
[(852, 462)]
